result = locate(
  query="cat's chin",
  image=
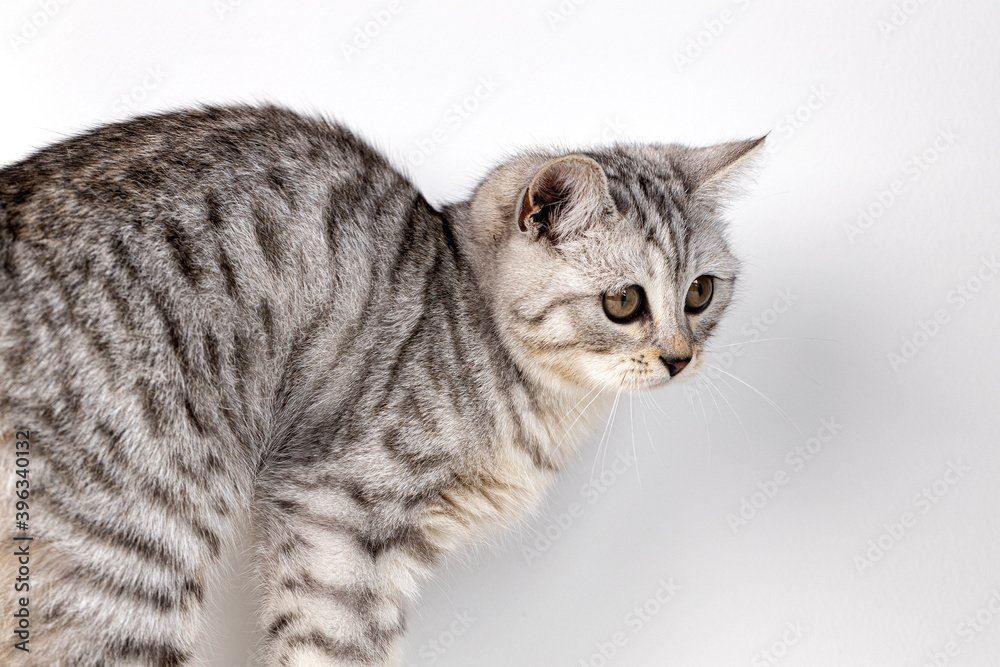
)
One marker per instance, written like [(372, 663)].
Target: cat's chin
[(640, 385), (659, 383), (646, 384)]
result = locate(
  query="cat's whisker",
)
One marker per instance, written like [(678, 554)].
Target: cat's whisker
[(708, 431), (569, 429), (600, 442), (635, 457), (789, 365), (607, 432), (762, 395), (644, 400), (592, 393), (607, 445), (723, 380), (714, 401), (765, 340), (658, 408), (585, 396), (711, 387)]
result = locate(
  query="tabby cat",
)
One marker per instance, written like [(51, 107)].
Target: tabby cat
[(244, 321)]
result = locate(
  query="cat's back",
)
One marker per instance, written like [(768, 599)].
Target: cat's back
[(130, 173), (181, 240)]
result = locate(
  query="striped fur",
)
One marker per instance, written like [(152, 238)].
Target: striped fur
[(240, 319)]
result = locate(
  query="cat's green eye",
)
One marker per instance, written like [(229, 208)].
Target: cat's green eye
[(699, 294), (623, 305)]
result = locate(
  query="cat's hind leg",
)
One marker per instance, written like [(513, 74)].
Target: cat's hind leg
[(116, 568)]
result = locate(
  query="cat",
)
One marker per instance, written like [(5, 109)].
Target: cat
[(240, 320)]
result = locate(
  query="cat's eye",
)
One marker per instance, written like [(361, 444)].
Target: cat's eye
[(623, 305), (699, 294)]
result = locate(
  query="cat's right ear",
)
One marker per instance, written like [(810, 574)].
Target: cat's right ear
[(564, 198), (713, 172)]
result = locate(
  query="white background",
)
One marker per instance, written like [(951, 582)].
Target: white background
[(854, 94)]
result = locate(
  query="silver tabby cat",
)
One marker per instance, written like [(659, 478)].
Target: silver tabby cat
[(240, 320)]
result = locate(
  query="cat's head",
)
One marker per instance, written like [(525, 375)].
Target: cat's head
[(610, 267)]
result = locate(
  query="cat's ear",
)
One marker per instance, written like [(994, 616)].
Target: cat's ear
[(563, 198), (713, 171)]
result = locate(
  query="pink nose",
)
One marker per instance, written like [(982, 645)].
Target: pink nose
[(675, 364)]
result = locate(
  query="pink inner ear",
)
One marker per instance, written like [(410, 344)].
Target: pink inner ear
[(548, 193), (544, 197), (522, 221), (551, 187), (558, 193)]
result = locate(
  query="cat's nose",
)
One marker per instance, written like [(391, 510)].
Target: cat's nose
[(675, 364)]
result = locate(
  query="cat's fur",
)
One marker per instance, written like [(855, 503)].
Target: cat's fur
[(241, 319)]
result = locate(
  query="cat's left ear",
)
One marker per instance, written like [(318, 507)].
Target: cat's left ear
[(564, 198), (711, 172)]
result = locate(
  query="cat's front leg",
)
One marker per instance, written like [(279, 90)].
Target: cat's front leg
[(334, 587)]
